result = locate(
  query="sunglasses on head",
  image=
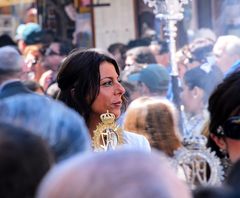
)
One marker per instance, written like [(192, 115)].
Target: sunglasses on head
[(231, 128)]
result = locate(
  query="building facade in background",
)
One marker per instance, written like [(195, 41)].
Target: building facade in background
[(99, 23)]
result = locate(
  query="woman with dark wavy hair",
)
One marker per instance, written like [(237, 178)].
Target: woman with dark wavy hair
[(224, 108), (89, 81)]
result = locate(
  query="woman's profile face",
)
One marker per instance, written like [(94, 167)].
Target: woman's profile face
[(110, 92), (191, 99)]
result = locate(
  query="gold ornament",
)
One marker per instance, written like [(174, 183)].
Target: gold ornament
[(108, 135)]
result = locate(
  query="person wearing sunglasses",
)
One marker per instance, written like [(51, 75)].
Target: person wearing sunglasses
[(53, 57), (224, 127)]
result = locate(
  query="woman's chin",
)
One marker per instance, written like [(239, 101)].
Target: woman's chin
[(117, 113)]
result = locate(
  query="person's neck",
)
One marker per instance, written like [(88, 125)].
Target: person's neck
[(198, 112), (92, 123)]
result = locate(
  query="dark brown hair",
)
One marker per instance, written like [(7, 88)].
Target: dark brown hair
[(79, 78), (24, 160), (223, 103)]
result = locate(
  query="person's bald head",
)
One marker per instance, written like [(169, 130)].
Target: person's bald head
[(122, 173)]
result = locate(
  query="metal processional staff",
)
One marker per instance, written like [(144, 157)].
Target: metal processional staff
[(199, 164), (171, 11)]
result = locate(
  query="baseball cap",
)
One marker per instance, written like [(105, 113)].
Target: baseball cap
[(19, 31), (32, 33), (154, 76)]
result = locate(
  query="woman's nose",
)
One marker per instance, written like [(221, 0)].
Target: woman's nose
[(119, 89)]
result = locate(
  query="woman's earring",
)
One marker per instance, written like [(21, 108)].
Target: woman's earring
[(226, 163)]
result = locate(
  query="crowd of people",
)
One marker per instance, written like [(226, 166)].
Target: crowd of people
[(53, 99)]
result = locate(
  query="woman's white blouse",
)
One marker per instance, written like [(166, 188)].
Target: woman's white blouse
[(136, 141)]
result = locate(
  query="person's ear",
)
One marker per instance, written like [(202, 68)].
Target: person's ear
[(197, 92), (144, 90), (21, 46), (73, 92), (87, 98), (220, 142)]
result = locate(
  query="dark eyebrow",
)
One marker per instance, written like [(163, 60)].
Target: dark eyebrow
[(109, 77), (106, 78)]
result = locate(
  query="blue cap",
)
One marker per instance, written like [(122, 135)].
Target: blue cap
[(154, 76), (32, 33)]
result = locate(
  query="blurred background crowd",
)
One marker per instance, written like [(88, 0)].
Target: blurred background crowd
[(53, 56)]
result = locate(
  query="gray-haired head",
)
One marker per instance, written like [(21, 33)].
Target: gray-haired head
[(10, 60), (121, 173), (61, 127), (226, 50)]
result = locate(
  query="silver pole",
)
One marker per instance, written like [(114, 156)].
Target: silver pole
[(171, 11)]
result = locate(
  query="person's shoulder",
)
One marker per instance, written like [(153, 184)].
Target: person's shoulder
[(11, 88), (136, 140), (129, 134)]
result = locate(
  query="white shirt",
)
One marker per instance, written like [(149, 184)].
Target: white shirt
[(136, 141)]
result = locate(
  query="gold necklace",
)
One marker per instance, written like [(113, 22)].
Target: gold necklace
[(108, 135)]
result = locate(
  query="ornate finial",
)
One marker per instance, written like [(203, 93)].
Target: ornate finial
[(167, 9), (199, 165), (107, 135), (195, 142)]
